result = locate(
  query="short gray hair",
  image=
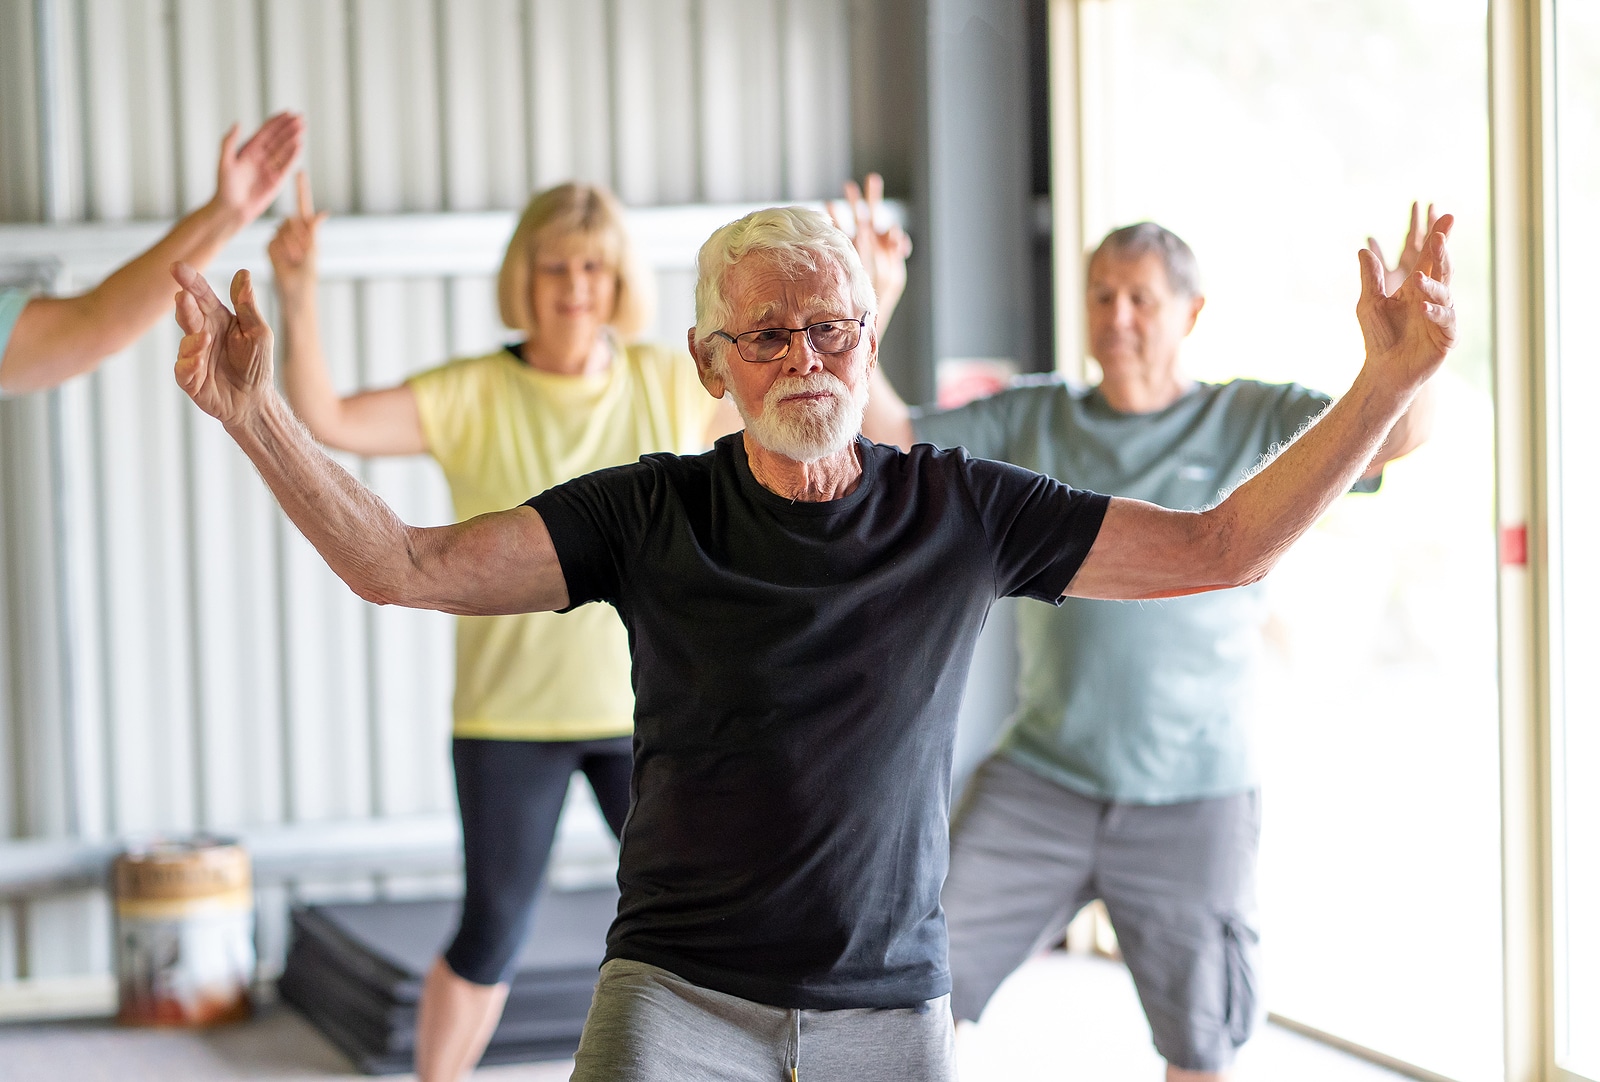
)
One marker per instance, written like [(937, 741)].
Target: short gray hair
[(1146, 238), (803, 240)]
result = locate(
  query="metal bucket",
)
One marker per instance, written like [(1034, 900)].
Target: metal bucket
[(185, 917)]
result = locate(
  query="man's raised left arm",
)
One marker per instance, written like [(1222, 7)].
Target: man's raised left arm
[(1144, 551)]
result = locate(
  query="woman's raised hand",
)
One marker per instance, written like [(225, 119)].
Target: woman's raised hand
[(883, 247), (293, 249), (248, 178), (1411, 251), (1409, 330)]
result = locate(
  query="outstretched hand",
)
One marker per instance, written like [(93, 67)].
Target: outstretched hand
[(224, 360), (1411, 250), (248, 178), (293, 249), (883, 250), (1409, 330)]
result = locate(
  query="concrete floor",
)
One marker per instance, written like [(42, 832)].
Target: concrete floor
[(1061, 1017)]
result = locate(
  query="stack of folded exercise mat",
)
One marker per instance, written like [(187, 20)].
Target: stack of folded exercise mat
[(355, 971)]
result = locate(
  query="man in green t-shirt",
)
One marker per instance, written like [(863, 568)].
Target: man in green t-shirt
[(1125, 773)]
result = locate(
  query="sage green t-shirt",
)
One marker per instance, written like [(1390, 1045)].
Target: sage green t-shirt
[(1143, 702), (12, 301)]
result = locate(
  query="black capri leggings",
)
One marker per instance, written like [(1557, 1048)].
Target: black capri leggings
[(510, 793)]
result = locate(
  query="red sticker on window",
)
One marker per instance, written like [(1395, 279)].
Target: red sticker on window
[(1514, 545)]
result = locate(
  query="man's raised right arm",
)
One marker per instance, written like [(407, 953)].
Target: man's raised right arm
[(498, 563)]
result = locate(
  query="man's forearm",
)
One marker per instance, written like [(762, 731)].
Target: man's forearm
[(1262, 517), (363, 541), (1409, 432)]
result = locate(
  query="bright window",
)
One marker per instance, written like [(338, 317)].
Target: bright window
[(1274, 136), (1575, 735)]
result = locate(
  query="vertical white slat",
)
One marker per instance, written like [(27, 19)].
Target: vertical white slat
[(396, 106), (58, 62), (11, 917), (272, 929), (307, 61), (68, 935), (654, 80), (741, 106), (81, 528), (485, 125), (220, 84), (137, 424), (238, 758), (34, 756), (36, 804), (674, 307), (20, 196), (71, 735), (403, 331), (145, 551), (568, 58), (128, 75), (325, 640), (474, 324), (816, 97)]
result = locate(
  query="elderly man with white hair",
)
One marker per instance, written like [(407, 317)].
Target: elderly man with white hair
[(802, 606)]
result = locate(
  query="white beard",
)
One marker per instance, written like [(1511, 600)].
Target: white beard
[(811, 430)]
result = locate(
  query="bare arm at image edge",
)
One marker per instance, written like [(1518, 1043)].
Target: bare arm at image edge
[(1144, 551), (378, 422), (57, 338), (498, 563)]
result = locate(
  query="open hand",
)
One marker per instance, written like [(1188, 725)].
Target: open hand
[(248, 178), (1409, 331), (293, 249), (883, 250), (224, 360), (1411, 250)]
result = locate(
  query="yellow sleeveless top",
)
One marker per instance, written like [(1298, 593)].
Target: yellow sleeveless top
[(503, 432)]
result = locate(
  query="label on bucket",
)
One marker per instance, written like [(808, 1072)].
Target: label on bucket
[(193, 969), (185, 917)]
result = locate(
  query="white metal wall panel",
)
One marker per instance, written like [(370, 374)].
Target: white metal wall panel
[(173, 654), (816, 97), (396, 106), (485, 115), (307, 49), (654, 78), (570, 91), (741, 117), (19, 120)]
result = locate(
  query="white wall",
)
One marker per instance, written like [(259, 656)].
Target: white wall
[(173, 656)]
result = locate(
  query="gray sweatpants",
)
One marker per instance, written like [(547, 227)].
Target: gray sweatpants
[(1178, 881), (649, 1025)]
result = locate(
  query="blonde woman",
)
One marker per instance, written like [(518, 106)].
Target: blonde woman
[(537, 696)]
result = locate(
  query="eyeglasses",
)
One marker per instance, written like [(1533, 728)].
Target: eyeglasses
[(772, 343)]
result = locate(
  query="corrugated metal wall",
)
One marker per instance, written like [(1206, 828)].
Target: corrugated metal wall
[(173, 655)]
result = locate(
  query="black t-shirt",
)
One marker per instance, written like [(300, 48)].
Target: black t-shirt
[(798, 668)]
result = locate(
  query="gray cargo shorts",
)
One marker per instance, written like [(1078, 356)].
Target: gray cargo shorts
[(649, 1025), (1177, 879)]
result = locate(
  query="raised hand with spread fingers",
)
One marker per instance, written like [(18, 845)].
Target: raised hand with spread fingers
[(883, 246), (1411, 250)]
